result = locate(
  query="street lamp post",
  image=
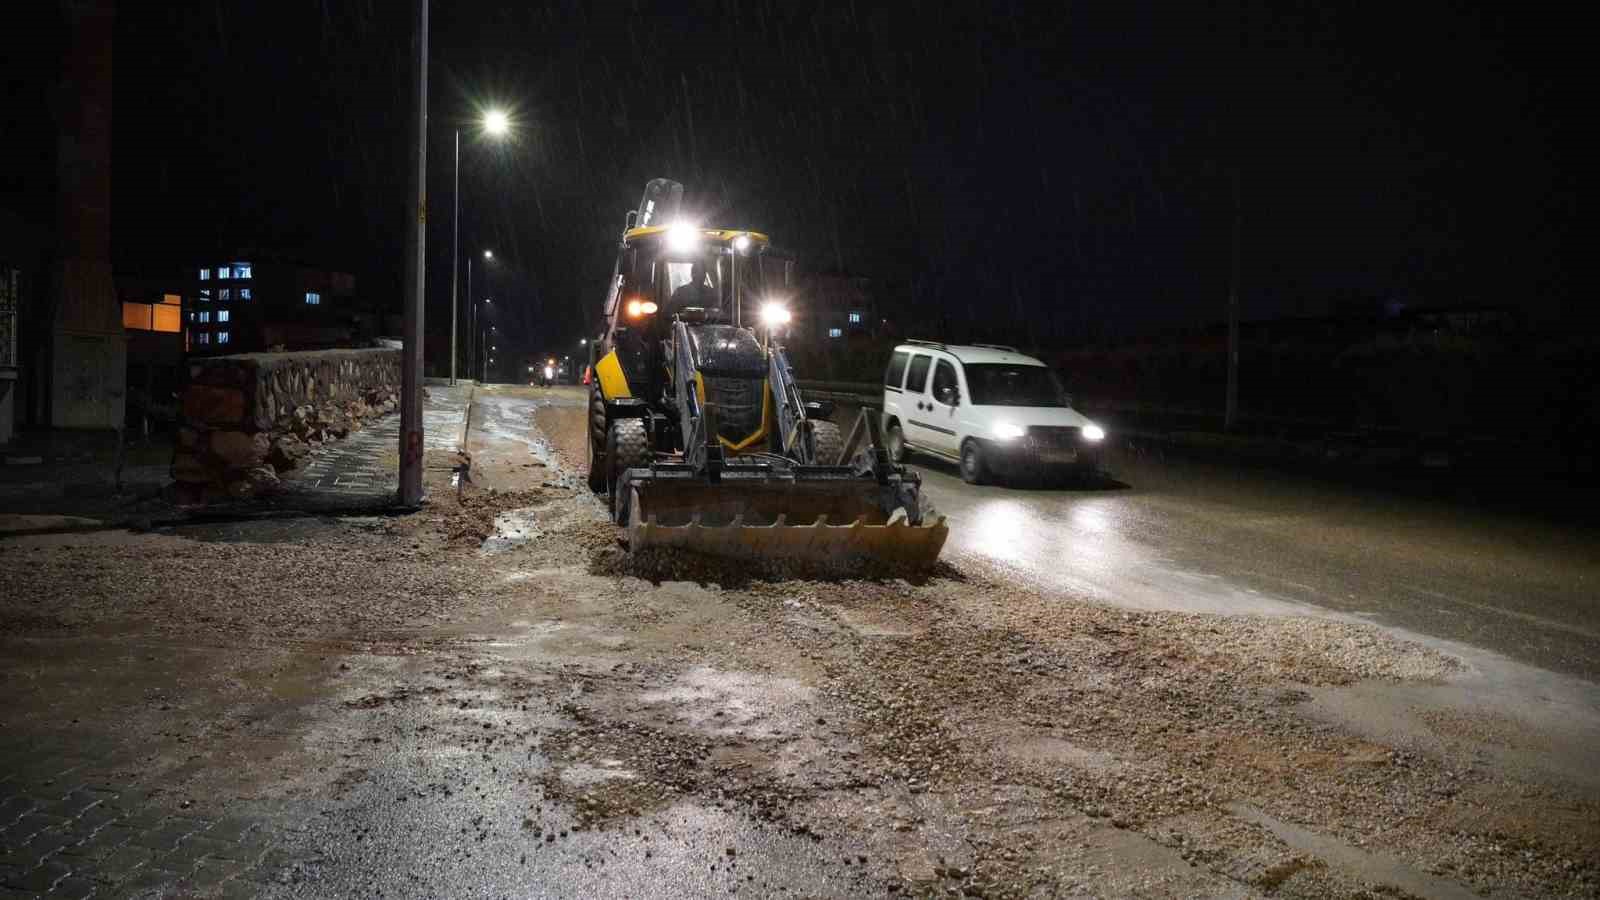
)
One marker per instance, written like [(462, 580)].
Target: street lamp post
[(472, 315), (480, 338), (496, 125), (416, 241)]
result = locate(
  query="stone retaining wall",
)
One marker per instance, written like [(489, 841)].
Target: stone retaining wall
[(251, 416)]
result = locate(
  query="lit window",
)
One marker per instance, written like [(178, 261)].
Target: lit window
[(313, 298), (855, 318), (222, 271), (191, 316), (224, 295), (222, 315), (136, 316), (222, 337), (205, 274), (205, 316), (835, 332), (241, 270), (202, 338), (205, 295), (166, 317), (244, 293)]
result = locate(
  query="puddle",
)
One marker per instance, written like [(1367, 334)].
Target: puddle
[(1044, 750), (584, 774), (1375, 867), (259, 531), (512, 529), (757, 706), (875, 624)]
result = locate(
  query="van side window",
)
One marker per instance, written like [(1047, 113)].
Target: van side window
[(917, 378), (895, 375), (944, 378)]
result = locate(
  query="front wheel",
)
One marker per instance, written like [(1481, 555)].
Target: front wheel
[(597, 441), (827, 443), (627, 447), (973, 468)]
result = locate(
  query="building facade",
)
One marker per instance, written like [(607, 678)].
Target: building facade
[(833, 307), (253, 304)]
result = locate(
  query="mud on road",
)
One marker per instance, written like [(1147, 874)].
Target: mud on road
[(543, 715)]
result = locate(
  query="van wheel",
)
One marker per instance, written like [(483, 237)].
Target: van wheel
[(895, 439), (973, 469)]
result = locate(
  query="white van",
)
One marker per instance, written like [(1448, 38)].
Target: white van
[(987, 407)]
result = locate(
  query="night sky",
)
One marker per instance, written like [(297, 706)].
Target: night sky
[(1061, 164)]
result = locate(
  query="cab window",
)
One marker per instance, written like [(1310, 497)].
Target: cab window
[(945, 386), (917, 377), (895, 375)]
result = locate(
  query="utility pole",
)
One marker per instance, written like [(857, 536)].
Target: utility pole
[(1231, 414), (416, 245), (455, 254)]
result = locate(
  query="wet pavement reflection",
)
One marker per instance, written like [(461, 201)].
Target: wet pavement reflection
[(1172, 534)]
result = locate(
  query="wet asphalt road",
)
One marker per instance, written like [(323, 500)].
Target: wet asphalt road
[(1178, 534)]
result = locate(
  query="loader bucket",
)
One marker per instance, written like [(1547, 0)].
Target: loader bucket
[(823, 523)]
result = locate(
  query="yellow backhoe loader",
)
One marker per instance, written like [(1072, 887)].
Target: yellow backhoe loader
[(697, 431)]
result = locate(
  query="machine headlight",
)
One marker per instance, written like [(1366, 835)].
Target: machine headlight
[(1006, 431), (682, 238), (1092, 432), (774, 314), (637, 308), (741, 243)]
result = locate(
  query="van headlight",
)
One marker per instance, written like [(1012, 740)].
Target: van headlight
[(1006, 431), (1093, 433)]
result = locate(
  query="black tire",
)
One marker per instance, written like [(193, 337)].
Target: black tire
[(627, 447), (973, 468), (894, 441), (827, 441), (597, 441)]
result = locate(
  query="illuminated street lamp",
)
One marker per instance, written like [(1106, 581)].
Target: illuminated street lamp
[(496, 125)]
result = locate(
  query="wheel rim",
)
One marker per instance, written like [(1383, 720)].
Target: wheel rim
[(897, 445), (969, 460)]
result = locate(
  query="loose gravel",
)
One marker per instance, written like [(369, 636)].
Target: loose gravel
[(954, 734)]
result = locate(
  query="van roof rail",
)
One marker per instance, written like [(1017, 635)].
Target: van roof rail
[(1005, 347), (922, 343)]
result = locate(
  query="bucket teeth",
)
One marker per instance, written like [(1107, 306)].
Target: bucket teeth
[(820, 544)]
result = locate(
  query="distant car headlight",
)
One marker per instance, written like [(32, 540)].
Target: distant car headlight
[(1093, 433), (1006, 431)]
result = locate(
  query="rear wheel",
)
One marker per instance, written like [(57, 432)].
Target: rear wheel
[(973, 468), (827, 441), (627, 447), (895, 439), (597, 441)]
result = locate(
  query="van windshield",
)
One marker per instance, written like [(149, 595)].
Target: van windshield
[(1003, 384)]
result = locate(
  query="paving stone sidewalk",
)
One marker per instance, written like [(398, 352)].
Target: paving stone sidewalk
[(68, 829), (365, 464)]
